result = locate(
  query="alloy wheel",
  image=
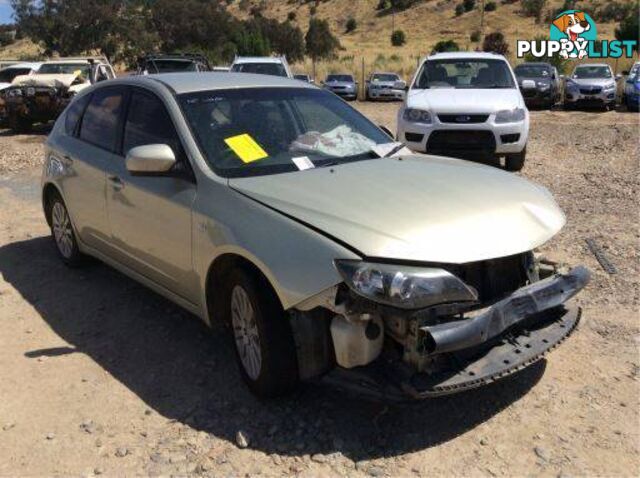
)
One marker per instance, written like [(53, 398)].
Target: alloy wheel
[(62, 231), (245, 331)]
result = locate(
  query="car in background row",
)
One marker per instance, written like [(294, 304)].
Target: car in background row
[(632, 91), (42, 96), (172, 63), (7, 75), (305, 78), (272, 207), (262, 65), (385, 86), (591, 85), (344, 85), (539, 84), (466, 105)]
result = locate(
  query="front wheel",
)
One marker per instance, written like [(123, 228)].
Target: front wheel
[(264, 342), (515, 162)]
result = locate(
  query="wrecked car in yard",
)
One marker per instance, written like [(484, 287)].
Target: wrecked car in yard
[(41, 97), (332, 252)]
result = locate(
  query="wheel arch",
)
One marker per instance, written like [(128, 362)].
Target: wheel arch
[(48, 192), (215, 290)]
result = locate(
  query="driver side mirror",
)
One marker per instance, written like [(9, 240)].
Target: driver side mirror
[(386, 130), (150, 159)]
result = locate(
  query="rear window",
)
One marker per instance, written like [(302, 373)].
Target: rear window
[(346, 78), (170, 66), (74, 113), (7, 75), (100, 122)]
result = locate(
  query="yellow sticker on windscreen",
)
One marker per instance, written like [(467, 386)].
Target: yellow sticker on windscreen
[(246, 148)]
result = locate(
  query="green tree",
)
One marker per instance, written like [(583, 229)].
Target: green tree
[(351, 25), (556, 60), (629, 28), (445, 45), (495, 42), (398, 38), (320, 42)]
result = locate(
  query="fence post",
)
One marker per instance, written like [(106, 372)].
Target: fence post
[(362, 94)]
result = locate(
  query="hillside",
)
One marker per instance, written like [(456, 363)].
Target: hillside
[(425, 24)]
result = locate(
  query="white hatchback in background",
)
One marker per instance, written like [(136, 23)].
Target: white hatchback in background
[(262, 65), (8, 73), (466, 105)]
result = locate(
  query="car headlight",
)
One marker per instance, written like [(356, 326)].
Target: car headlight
[(610, 86), (414, 115), (571, 85), (404, 287), (14, 93), (510, 116), (543, 86)]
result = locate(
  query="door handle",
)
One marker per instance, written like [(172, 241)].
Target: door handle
[(116, 183)]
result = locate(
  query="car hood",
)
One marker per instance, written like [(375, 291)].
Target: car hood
[(593, 82), (4, 85), (45, 80), (465, 100), (417, 208), (339, 83)]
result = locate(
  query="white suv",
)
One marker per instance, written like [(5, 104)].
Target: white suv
[(466, 105), (263, 65)]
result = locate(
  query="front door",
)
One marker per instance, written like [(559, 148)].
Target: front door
[(150, 216)]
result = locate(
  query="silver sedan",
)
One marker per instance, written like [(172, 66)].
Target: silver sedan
[(332, 253)]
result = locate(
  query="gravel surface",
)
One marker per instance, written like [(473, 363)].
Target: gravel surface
[(100, 376)]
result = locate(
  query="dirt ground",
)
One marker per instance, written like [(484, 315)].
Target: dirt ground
[(100, 376)]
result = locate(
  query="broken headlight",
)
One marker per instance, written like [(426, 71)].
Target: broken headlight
[(405, 287)]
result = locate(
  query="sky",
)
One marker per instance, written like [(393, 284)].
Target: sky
[(5, 12)]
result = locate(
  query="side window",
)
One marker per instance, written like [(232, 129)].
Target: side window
[(149, 123), (100, 121), (74, 113)]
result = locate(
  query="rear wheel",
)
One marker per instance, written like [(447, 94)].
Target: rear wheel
[(515, 162), (62, 232), (264, 343)]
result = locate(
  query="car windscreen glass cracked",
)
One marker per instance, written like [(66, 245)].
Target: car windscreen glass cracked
[(261, 131)]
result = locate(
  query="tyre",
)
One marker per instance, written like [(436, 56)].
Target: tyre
[(515, 162), (263, 339), (62, 232)]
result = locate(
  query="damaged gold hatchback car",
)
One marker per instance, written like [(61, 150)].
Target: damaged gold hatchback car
[(333, 253)]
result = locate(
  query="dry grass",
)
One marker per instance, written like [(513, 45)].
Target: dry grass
[(424, 24), (23, 49)]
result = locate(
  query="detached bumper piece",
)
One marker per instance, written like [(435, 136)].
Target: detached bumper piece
[(469, 353)]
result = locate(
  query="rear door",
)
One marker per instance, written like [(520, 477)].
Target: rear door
[(86, 152), (150, 216)]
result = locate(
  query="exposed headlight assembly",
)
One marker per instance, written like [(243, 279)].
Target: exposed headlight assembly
[(543, 86), (404, 287), (414, 115), (14, 93), (510, 116), (610, 86)]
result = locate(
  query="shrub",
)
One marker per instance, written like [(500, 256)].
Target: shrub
[(291, 16), (533, 8), (490, 6), (495, 42), (313, 10), (445, 45), (629, 29), (352, 24), (398, 38), (475, 36), (459, 9), (469, 5)]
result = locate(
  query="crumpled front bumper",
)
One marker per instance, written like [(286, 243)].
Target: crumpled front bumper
[(503, 339)]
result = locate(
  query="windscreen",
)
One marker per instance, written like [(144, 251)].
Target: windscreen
[(533, 71), (384, 77), (65, 69), (465, 73), (345, 78), (273, 69), (592, 72), (7, 75), (170, 66), (260, 131)]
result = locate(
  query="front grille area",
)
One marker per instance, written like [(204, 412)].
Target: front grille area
[(590, 91), (461, 143), (494, 279), (463, 118), (529, 93)]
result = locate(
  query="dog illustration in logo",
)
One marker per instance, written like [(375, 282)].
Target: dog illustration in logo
[(573, 25)]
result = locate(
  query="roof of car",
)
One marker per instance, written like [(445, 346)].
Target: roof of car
[(257, 59), (194, 82), (384, 73), (535, 63), (456, 55), (590, 65), (22, 65)]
